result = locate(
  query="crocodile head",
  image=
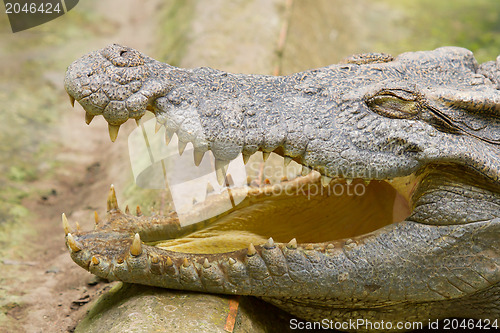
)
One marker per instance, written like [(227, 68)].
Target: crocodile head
[(419, 134)]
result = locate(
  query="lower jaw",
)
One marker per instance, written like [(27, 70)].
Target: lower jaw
[(311, 214)]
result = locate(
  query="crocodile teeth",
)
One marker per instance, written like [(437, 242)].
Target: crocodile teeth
[(251, 250), (221, 170), (185, 262), (348, 181), (127, 210), (113, 131), (206, 264), (78, 228), (231, 261), (71, 100), (305, 170), (265, 155), (182, 146), (96, 217), (198, 156), (138, 121), (95, 260), (269, 244), (157, 127), (73, 245), (325, 181), (138, 211), (246, 157), (286, 160), (136, 247), (112, 202), (65, 223), (154, 258), (88, 118), (168, 135), (169, 262), (292, 244), (366, 181)]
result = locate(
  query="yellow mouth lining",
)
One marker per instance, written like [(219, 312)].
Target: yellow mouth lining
[(314, 214)]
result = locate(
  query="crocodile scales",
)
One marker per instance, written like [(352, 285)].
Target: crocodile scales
[(422, 128)]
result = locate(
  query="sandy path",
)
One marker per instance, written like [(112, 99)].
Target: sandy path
[(47, 291)]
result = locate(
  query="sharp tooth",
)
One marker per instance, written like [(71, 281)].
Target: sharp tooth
[(113, 131), (231, 261), (210, 188), (246, 157), (71, 100), (330, 246), (154, 257), (269, 244), (168, 135), (348, 181), (138, 121), (169, 262), (96, 217), (325, 180), (265, 155), (367, 181), (66, 227), (138, 211), (182, 145), (221, 170), (78, 228), (185, 262), (73, 245), (127, 210), (292, 244), (157, 127), (136, 247), (286, 160), (251, 250), (305, 170), (198, 156), (95, 260), (206, 264), (88, 118), (112, 202)]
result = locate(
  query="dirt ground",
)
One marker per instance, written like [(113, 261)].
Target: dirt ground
[(41, 289)]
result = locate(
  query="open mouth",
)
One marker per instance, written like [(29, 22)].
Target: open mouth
[(301, 210)]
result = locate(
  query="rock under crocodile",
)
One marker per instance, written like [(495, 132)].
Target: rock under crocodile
[(422, 130)]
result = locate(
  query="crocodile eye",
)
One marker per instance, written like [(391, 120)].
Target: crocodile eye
[(396, 104)]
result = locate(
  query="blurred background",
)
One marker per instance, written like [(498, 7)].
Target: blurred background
[(52, 162)]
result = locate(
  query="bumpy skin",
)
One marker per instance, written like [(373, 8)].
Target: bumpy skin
[(434, 113)]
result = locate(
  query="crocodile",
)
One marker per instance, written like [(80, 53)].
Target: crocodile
[(420, 132)]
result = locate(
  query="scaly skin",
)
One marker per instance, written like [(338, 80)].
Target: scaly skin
[(433, 117)]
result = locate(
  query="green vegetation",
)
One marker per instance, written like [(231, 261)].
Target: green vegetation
[(173, 32), (429, 24)]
